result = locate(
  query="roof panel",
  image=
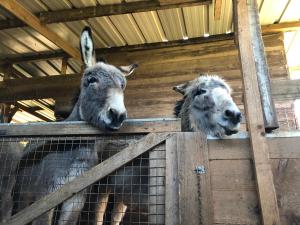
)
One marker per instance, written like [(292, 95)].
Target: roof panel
[(293, 46), (271, 10), (109, 2), (128, 28), (34, 6), (77, 27), (27, 39), (224, 24), (173, 23), (292, 12), (47, 68), (31, 69), (13, 44), (57, 5), (41, 38), (196, 20), (150, 26), (107, 31), (65, 33), (83, 3)]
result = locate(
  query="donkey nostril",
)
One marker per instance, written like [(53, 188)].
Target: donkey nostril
[(122, 117), (229, 113)]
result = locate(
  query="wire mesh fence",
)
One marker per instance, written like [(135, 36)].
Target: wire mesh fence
[(32, 167)]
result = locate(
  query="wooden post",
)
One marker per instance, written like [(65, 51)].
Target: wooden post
[(255, 121), (262, 70), (64, 65)]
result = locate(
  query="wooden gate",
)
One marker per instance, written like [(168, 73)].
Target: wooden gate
[(190, 179)]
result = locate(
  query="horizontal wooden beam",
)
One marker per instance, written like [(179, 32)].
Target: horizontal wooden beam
[(130, 126), (68, 15), (129, 48), (281, 27), (31, 20), (62, 86)]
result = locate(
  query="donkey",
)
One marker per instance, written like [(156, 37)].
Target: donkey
[(100, 103), (207, 107)]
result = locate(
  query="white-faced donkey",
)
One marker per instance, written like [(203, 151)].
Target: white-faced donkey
[(45, 168), (207, 106)]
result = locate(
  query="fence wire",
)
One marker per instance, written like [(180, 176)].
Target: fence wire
[(33, 167)]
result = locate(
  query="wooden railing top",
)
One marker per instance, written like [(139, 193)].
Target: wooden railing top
[(130, 126)]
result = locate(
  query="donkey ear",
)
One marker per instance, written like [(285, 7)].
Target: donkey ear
[(181, 88), (127, 70), (87, 47)]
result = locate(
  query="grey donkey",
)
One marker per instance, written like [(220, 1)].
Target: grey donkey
[(207, 106), (45, 168)]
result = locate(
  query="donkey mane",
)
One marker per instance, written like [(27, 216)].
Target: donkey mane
[(178, 106)]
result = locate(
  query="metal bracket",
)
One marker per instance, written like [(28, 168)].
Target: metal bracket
[(200, 170)]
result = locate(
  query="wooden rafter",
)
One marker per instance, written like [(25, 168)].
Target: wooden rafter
[(281, 27), (59, 54), (273, 28), (31, 20), (67, 15), (255, 121), (217, 9)]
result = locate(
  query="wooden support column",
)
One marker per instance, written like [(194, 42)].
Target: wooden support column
[(64, 66), (262, 69), (255, 121)]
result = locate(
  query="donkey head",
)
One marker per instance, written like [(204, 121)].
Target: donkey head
[(101, 99), (207, 106)]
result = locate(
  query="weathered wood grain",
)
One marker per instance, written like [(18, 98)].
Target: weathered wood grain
[(82, 128), (255, 122)]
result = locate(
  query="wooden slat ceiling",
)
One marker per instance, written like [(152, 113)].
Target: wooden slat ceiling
[(127, 29)]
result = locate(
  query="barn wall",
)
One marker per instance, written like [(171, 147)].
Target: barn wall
[(149, 92)]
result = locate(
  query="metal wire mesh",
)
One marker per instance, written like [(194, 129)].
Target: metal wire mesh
[(33, 167)]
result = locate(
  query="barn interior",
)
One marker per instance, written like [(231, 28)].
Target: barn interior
[(173, 42)]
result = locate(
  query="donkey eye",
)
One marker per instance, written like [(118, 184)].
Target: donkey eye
[(200, 91), (92, 80)]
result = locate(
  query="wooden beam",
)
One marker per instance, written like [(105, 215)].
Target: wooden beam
[(130, 126), (86, 179), (64, 66), (74, 14), (281, 27), (217, 9), (128, 48), (255, 121), (27, 17), (64, 86), (263, 75)]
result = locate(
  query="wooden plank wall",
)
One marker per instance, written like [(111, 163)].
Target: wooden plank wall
[(149, 91), (233, 181)]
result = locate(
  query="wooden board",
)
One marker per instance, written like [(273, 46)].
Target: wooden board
[(255, 122), (195, 197), (82, 128)]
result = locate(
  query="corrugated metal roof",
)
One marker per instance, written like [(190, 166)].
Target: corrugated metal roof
[(129, 29)]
